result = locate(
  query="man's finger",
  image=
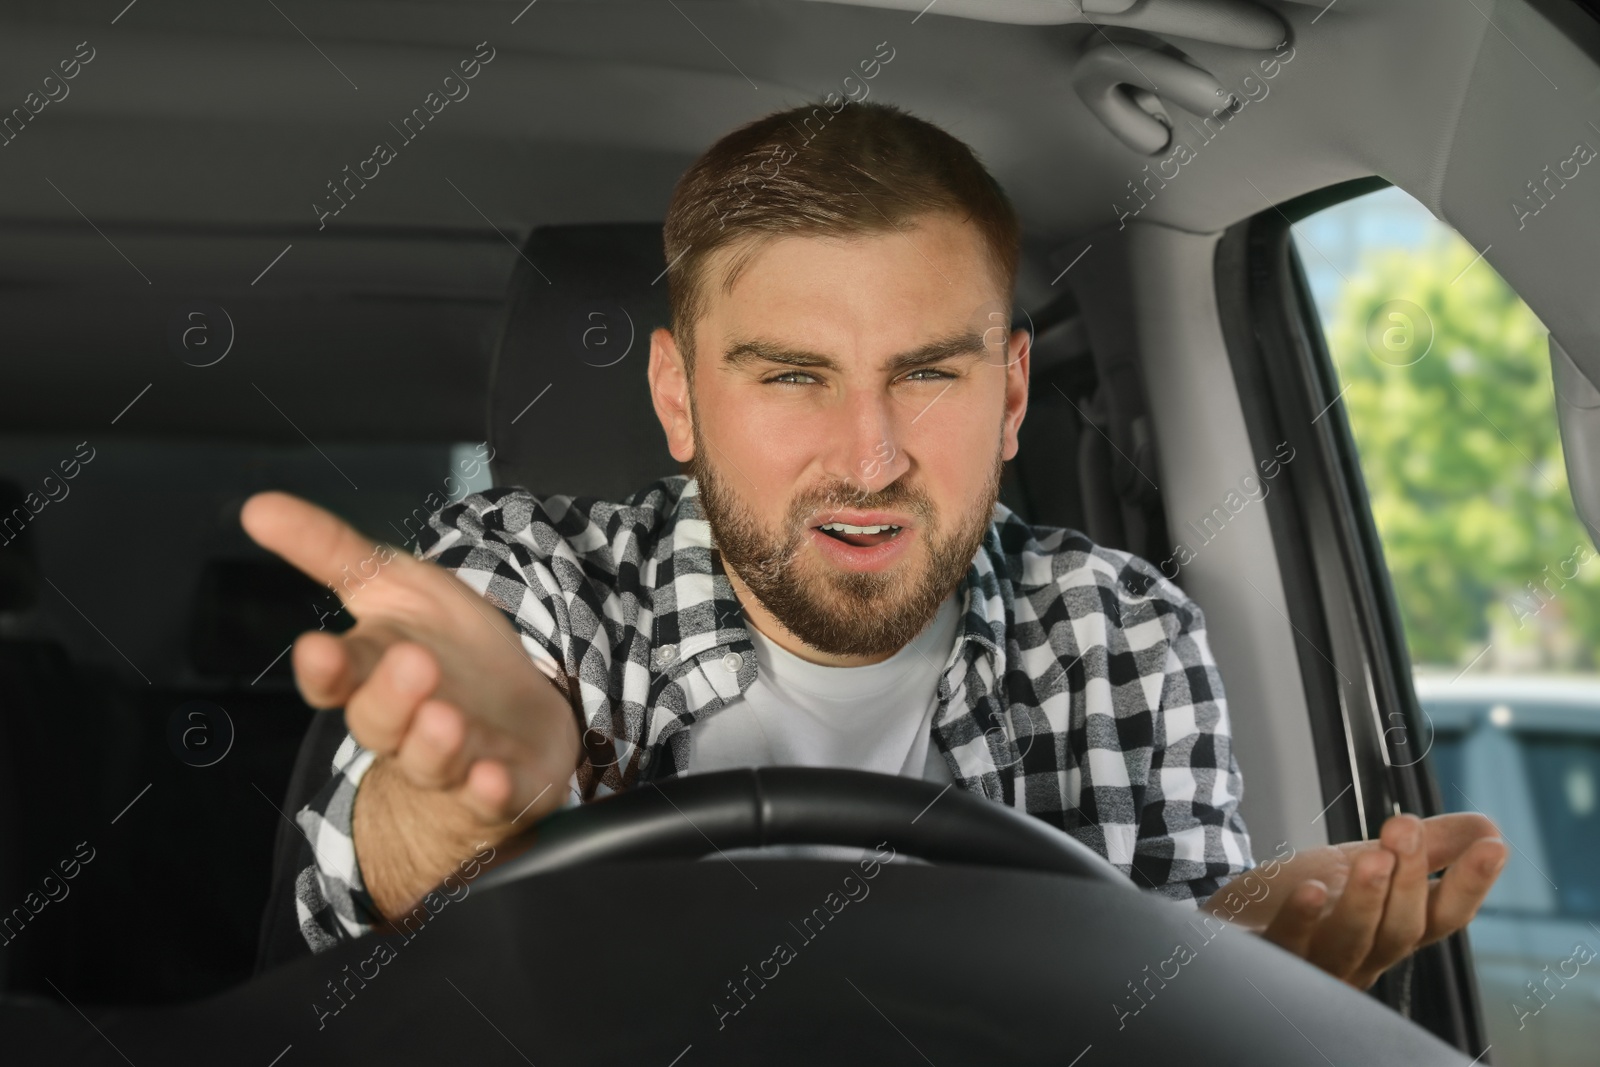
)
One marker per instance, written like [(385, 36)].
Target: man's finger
[(1405, 913), (316, 541), (319, 662), (1296, 922), (489, 791), (1344, 938), (436, 751), (329, 668), (1449, 836), (379, 711), (1455, 898), (518, 792)]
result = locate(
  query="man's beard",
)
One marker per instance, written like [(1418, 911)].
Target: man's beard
[(842, 613)]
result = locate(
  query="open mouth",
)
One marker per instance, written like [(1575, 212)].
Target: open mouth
[(860, 536)]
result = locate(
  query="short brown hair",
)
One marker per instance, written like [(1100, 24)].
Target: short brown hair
[(863, 168)]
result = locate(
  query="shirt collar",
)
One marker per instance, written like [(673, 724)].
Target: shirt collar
[(699, 627)]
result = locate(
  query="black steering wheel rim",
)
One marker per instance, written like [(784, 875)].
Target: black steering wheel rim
[(665, 940), (698, 815)]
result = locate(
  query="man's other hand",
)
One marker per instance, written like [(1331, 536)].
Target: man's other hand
[(473, 743), (1357, 909)]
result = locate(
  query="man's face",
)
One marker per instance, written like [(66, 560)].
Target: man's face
[(851, 405)]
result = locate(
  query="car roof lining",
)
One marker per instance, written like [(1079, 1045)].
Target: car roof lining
[(163, 141)]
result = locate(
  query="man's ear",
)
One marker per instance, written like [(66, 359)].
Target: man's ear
[(669, 391), (1019, 352)]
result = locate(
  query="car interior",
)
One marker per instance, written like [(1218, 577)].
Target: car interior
[(199, 297)]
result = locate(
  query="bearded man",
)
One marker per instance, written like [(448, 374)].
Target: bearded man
[(833, 583)]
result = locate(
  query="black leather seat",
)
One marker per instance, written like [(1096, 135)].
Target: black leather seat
[(569, 412), (574, 345), (64, 730), (190, 852)]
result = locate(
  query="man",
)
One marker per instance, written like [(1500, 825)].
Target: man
[(835, 585)]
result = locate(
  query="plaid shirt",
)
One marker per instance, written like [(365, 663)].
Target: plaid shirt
[(1081, 690)]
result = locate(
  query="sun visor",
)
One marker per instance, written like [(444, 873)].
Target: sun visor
[(1240, 23)]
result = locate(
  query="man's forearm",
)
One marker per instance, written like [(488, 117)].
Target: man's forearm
[(408, 837), (409, 840)]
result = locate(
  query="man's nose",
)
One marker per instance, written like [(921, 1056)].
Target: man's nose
[(866, 451)]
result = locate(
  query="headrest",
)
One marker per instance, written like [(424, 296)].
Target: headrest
[(569, 407), (248, 610)]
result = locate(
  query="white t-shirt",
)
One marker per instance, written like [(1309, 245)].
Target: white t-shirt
[(802, 714)]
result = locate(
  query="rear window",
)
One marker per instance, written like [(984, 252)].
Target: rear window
[(1564, 773), (1448, 771), (109, 560)]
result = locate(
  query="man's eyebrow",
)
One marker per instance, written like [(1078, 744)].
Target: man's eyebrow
[(753, 350), (960, 344)]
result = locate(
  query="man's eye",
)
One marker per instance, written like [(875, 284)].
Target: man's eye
[(928, 374), (793, 377)]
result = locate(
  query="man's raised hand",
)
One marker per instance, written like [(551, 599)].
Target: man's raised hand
[(473, 742), (1358, 908)]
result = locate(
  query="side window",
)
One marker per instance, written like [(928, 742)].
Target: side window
[(1445, 382)]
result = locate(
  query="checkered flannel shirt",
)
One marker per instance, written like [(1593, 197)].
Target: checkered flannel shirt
[(1082, 689)]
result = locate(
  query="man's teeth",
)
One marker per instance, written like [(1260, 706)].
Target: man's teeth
[(845, 527)]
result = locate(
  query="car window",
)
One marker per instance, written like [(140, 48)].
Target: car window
[(1564, 775), (1445, 383)]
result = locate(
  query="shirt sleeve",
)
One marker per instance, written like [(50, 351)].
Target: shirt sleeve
[(331, 899), (1191, 838)]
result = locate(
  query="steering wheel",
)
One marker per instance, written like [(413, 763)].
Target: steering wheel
[(652, 958), (689, 817)]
